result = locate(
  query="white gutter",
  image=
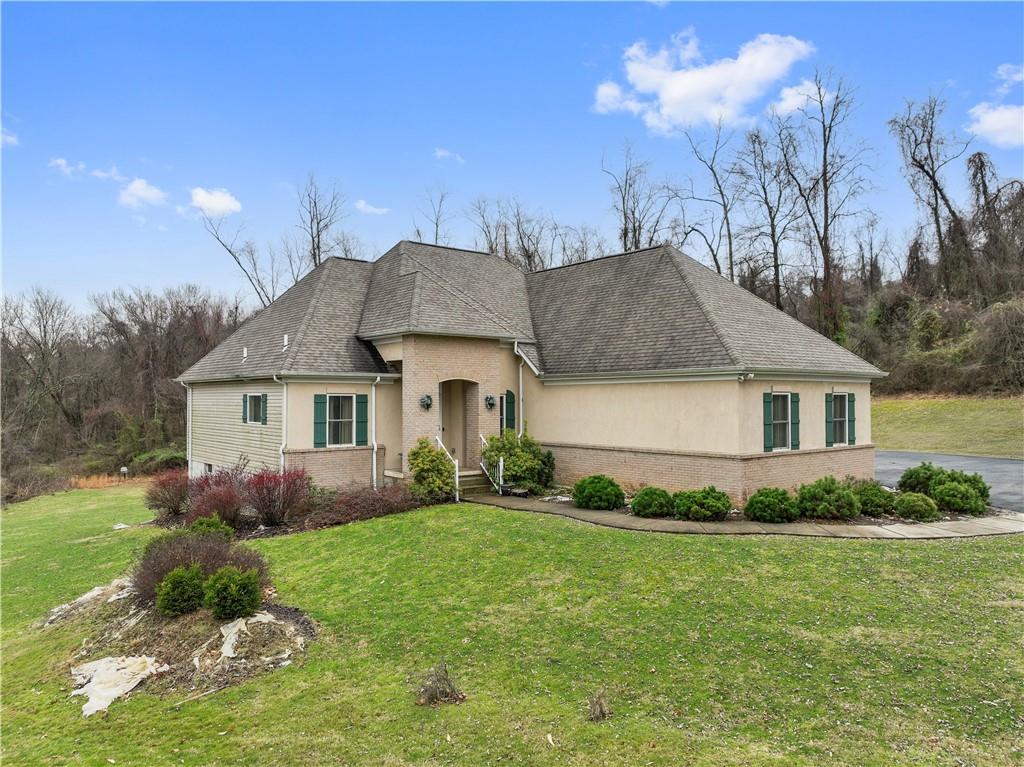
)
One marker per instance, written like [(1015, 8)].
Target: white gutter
[(188, 429), (284, 419), (522, 404), (373, 429)]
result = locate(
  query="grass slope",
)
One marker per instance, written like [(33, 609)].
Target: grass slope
[(714, 650), (959, 425)]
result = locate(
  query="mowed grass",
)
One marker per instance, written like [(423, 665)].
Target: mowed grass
[(713, 650), (959, 425)]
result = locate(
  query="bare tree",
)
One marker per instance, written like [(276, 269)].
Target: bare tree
[(641, 206), (261, 270), (717, 230), (769, 192), (320, 211), (437, 217), (827, 173), (926, 152)]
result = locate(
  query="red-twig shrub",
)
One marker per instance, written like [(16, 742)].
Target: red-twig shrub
[(167, 494), (365, 503), (277, 496), (180, 548), (223, 501)]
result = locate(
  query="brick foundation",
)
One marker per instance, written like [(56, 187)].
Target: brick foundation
[(739, 476), (338, 467)]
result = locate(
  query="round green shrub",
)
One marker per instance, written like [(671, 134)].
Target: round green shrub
[(181, 591), (204, 525), (958, 498), (598, 492), (770, 504), (826, 499), (974, 481), (918, 479), (232, 593), (652, 502), (707, 505), (433, 475), (874, 500), (916, 506)]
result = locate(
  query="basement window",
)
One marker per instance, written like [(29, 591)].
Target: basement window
[(341, 419)]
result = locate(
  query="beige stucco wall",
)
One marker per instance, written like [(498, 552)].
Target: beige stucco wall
[(218, 435), (812, 411)]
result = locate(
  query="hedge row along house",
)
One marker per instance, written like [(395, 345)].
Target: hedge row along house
[(646, 366)]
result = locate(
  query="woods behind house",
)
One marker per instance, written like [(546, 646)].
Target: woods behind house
[(779, 209)]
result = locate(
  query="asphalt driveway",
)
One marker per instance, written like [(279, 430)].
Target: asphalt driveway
[(1005, 475)]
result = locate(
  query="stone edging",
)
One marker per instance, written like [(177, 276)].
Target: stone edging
[(1006, 523)]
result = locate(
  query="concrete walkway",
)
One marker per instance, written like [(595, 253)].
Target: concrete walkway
[(1003, 524), (1005, 475)]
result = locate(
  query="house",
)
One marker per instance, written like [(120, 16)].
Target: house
[(646, 366)]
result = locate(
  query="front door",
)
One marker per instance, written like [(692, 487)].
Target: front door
[(453, 418)]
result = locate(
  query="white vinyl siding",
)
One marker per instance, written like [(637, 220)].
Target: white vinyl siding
[(220, 438)]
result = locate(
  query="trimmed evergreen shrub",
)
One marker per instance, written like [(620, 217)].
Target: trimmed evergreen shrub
[(181, 591), (598, 492), (918, 479), (204, 525), (974, 481), (707, 505), (652, 502), (958, 498), (167, 494), (826, 499), (916, 506), (526, 464), (771, 504), (433, 475), (231, 593), (875, 500)]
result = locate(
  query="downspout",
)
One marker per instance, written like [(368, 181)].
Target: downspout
[(373, 429), (188, 428), (284, 419), (522, 403)]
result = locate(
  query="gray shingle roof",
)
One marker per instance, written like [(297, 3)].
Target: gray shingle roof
[(652, 310)]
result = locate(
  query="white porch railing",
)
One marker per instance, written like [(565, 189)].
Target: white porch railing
[(497, 483), (455, 463)]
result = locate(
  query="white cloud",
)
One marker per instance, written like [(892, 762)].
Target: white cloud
[(1008, 76), (794, 97), (674, 88), (108, 175), (7, 138), (68, 169), (215, 203), (447, 154), (999, 124), (140, 192), (364, 207)]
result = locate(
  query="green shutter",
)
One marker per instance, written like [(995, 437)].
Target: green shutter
[(510, 410), (361, 412), (794, 421), (768, 438), (319, 420), (851, 419), (245, 408), (829, 429), (263, 409)]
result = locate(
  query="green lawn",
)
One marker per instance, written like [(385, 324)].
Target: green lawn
[(960, 425), (714, 650)]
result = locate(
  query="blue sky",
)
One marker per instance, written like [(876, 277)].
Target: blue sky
[(249, 98)]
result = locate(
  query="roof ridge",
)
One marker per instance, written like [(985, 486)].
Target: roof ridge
[(600, 258), (501, 319), (310, 310), (705, 310)]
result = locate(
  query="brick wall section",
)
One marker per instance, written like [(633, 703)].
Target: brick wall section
[(338, 467), (739, 476), (429, 360)]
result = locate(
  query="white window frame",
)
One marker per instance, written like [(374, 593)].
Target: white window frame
[(501, 415), (845, 419), (789, 419), (248, 409), (341, 420)]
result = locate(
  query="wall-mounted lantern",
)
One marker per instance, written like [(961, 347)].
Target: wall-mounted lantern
[(489, 401), (426, 401)]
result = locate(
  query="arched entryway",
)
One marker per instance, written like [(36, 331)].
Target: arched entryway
[(460, 419)]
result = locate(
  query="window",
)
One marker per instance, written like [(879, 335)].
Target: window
[(208, 468), (780, 421), (254, 408), (839, 429), (501, 414), (340, 419)]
